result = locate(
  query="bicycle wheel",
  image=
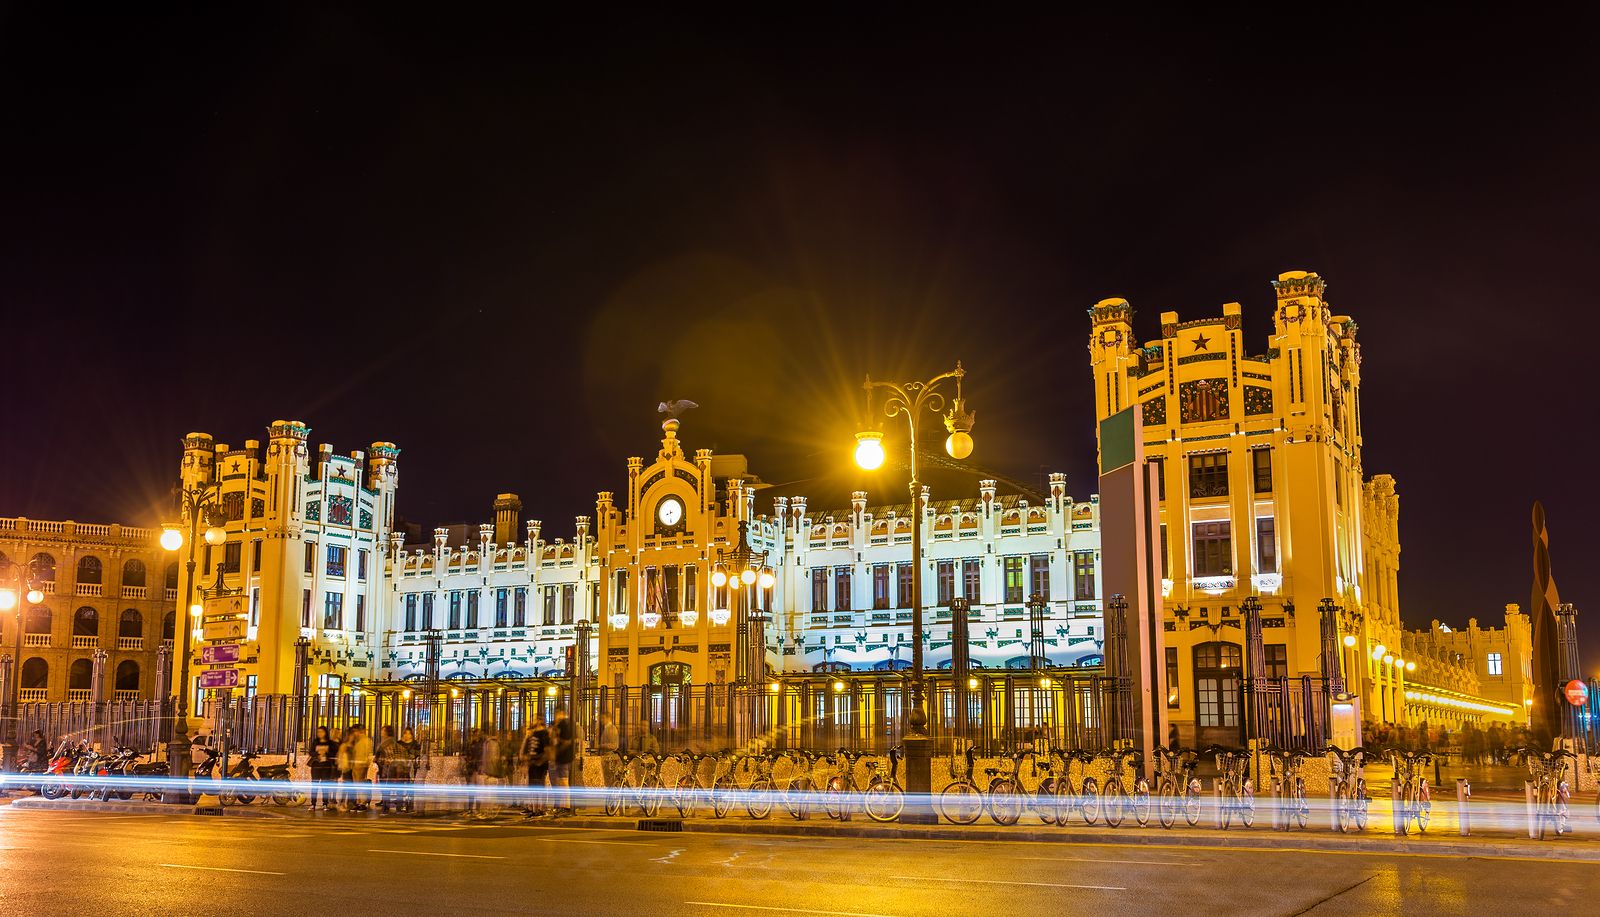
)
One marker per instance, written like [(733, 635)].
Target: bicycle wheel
[(1066, 801), (650, 793), (1005, 803), (683, 796), (722, 796), (883, 801), (1191, 807), (1302, 810), (961, 803), (288, 798), (617, 797), (1044, 800), (1089, 801), (1228, 798), (833, 798), (797, 799), (1360, 803), (1247, 807), (758, 798), (1140, 803), (1167, 806), (1423, 811), (1563, 824), (1343, 813), (1113, 804)]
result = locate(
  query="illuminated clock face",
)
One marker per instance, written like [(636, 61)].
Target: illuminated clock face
[(670, 512)]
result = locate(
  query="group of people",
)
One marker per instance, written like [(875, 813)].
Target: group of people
[(342, 767), (544, 753), (1471, 744)]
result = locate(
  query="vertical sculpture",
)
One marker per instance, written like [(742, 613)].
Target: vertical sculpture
[(1546, 664)]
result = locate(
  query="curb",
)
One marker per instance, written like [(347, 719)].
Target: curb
[(142, 808), (1249, 839)]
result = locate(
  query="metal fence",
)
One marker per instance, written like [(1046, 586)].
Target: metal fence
[(1288, 712), (139, 724)]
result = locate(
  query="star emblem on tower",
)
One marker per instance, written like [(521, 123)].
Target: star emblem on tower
[(1200, 342)]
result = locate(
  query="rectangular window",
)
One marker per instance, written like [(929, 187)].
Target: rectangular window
[(972, 581), (1495, 667), (1277, 658), (230, 556), (842, 600), (336, 555), (361, 565), (255, 556), (902, 575), (519, 607), (1208, 475), (305, 608), (1213, 549), (620, 594), (880, 586), (427, 611), (1013, 580), (502, 607), (333, 611), (550, 602), (255, 605), (455, 611), (669, 595), (819, 589), (1261, 467), (946, 576), (691, 591), (311, 557), (472, 609), (1172, 676), (361, 613), (206, 564), (1039, 576), (411, 612), (1266, 545), (1338, 483), (569, 601), (1166, 568), (1160, 465), (1083, 575)]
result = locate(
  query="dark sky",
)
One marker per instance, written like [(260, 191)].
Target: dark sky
[(499, 243)]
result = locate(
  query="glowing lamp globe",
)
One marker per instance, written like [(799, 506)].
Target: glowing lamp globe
[(171, 539), (838, 687), (869, 450), (216, 536), (958, 444), (773, 687), (1388, 660), (1410, 666), (35, 596), (8, 600), (1349, 639), (719, 579), (196, 609), (747, 576), (767, 579)]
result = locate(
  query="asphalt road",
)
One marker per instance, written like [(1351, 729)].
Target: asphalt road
[(93, 863)]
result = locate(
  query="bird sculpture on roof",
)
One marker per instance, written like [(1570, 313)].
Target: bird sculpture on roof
[(675, 409)]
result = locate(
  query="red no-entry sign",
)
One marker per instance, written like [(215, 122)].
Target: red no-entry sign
[(1576, 692)]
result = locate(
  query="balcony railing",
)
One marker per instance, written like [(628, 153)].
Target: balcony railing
[(35, 639), (130, 643), (78, 694), (166, 644), (85, 641), (34, 695), (91, 589), (134, 592), (124, 695), (48, 587)]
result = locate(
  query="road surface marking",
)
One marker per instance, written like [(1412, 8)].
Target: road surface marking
[(424, 853), (1095, 860), (784, 910), (259, 872), (1104, 888)]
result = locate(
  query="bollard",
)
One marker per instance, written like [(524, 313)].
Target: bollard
[(1533, 821), (1396, 808), (1333, 804), (1463, 817)]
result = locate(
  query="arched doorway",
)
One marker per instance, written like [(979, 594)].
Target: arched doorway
[(666, 700), (35, 679), (80, 680), (127, 677), (1218, 673)]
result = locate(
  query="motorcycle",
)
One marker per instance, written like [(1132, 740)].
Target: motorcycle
[(271, 773)]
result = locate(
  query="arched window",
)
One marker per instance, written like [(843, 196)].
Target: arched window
[(169, 623), (669, 673), (86, 622), (133, 573), (1217, 668), (36, 673), (89, 569), (131, 624), (128, 675), (81, 676), (44, 567), (172, 575), (39, 619)]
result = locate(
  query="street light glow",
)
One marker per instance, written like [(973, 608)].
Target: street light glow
[(216, 536), (767, 579), (1349, 639), (958, 444), (869, 450), (8, 600)]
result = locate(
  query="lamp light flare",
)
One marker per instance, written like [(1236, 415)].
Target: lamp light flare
[(1410, 666), (196, 609), (171, 539), (747, 577), (869, 450), (958, 444), (8, 600), (216, 536), (719, 579), (1349, 639), (767, 579), (35, 596)]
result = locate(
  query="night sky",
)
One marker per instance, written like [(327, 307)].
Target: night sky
[(499, 243)]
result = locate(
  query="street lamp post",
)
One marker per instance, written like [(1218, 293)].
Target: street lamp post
[(743, 570), (23, 593), (915, 400), (194, 501)]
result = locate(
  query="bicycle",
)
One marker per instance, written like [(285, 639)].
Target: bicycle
[(642, 789), (1086, 798), (1115, 800), (725, 784), (881, 798), (688, 788), (1292, 807), (1416, 798), (1350, 802), (799, 791), (1547, 771), (1177, 787), (961, 802), (1238, 790)]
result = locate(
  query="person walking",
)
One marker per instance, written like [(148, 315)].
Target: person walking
[(609, 748), (387, 757), (491, 770), (563, 736), (342, 765), (324, 753), (412, 750), (471, 767), (36, 751), (539, 751), (360, 767)]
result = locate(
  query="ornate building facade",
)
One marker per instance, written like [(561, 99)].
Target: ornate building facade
[(1263, 494), (107, 588)]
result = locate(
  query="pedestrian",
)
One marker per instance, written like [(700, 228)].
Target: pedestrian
[(564, 737), (609, 749), (360, 755), (471, 765), (388, 758), (37, 751), (324, 769), (413, 754), (540, 752), (491, 770)]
